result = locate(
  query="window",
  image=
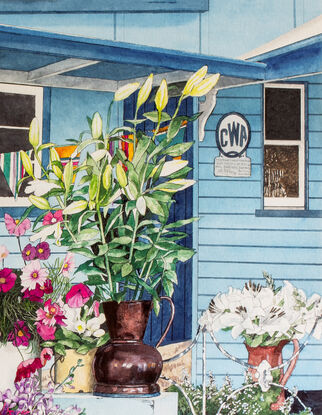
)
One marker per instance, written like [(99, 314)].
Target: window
[(284, 146), (18, 106)]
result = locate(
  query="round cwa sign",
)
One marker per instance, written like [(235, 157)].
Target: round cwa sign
[(232, 134)]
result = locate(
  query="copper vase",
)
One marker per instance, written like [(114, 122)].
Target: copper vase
[(273, 355), (126, 366)]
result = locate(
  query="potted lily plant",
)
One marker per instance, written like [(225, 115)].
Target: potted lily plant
[(113, 209), (267, 318)]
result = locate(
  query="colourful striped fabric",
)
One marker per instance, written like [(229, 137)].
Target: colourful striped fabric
[(12, 168)]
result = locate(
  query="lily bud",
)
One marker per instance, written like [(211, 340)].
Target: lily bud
[(107, 177), (54, 156), (161, 97), (205, 86), (194, 80), (27, 164), (75, 207), (144, 91), (39, 202), (125, 91), (34, 133), (97, 126), (121, 176)]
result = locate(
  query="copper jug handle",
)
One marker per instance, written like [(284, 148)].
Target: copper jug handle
[(170, 320)]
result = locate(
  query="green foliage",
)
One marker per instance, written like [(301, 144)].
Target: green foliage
[(116, 211), (250, 401)]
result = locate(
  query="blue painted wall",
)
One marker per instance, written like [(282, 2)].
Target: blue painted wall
[(235, 245), (227, 29)]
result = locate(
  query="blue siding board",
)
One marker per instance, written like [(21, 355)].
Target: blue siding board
[(230, 188), (249, 91), (208, 154), (315, 189), (252, 222), (315, 106), (289, 255), (315, 139), (315, 90), (315, 157), (314, 122), (228, 205), (219, 270), (315, 204), (246, 106), (266, 237)]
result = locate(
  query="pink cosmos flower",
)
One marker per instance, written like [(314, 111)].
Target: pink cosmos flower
[(7, 279), (29, 253), (78, 295), (43, 250), (20, 335), (13, 227), (52, 218), (33, 274), (68, 264), (3, 252), (51, 314), (27, 367), (45, 332)]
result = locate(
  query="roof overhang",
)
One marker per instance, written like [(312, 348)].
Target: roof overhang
[(49, 59)]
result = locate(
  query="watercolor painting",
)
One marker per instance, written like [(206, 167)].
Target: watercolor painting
[(160, 159)]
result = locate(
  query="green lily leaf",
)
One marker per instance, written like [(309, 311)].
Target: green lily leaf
[(153, 205), (126, 269), (178, 149), (154, 116), (180, 223)]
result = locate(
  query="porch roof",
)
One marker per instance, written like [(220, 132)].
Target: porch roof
[(35, 57)]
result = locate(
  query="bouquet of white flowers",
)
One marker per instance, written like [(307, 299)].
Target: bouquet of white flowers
[(264, 315)]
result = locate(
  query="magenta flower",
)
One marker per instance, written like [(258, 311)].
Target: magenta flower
[(45, 332), (52, 218), (96, 308), (33, 274), (20, 335), (7, 279), (78, 295), (37, 294), (51, 314), (29, 253), (68, 264), (43, 250), (13, 227)]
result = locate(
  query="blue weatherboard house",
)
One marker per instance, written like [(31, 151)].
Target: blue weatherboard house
[(257, 156)]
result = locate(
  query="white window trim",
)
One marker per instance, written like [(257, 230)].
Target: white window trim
[(289, 202), (37, 92)]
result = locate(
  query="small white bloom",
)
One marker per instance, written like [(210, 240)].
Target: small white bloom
[(40, 187), (93, 326)]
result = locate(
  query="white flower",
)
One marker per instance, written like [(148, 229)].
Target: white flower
[(40, 187), (79, 326), (46, 231), (93, 326), (72, 316)]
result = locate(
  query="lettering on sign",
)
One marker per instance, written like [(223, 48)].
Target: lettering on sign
[(232, 138)]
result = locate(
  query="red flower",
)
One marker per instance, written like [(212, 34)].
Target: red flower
[(7, 279), (51, 219), (27, 367), (20, 335), (13, 227), (78, 295), (29, 253)]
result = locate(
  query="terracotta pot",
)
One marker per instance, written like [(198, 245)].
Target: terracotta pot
[(83, 380), (125, 365), (273, 355)]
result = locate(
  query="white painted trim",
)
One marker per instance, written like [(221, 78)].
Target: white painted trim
[(37, 92), (58, 68), (289, 202)]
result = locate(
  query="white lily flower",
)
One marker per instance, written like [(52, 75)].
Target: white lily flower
[(93, 326), (54, 229), (40, 187)]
